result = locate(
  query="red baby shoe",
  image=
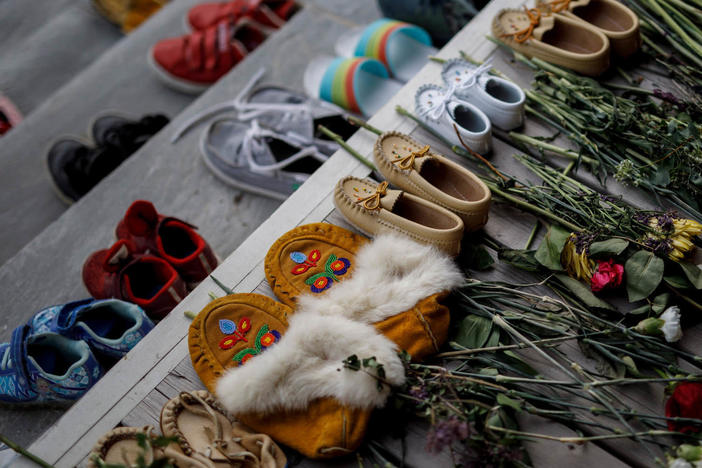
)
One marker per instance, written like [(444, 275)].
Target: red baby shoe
[(271, 13), (147, 281), (192, 62), (169, 238)]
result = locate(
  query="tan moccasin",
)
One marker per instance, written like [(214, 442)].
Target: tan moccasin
[(375, 209), (557, 39), (614, 19), (407, 164)]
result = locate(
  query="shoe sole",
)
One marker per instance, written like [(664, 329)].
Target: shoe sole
[(172, 82), (57, 190)]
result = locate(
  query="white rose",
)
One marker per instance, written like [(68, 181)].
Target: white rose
[(671, 324), (680, 463)]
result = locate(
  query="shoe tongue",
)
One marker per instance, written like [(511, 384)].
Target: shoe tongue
[(141, 218), (546, 23), (390, 199)]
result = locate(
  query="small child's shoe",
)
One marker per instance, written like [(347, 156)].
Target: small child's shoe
[(412, 167), (557, 39), (375, 209), (45, 368), (169, 238), (614, 19), (148, 281), (440, 109), (110, 327), (501, 100)]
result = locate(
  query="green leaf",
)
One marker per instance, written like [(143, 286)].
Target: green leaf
[(660, 302), (608, 247), (693, 273), (504, 400), (644, 272), (494, 338), (473, 331), (644, 309), (522, 259), (582, 292), (478, 258), (549, 252), (678, 281)]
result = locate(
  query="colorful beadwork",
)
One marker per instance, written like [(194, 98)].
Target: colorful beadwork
[(304, 262), (235, 333), (332, 268), (264, 339)]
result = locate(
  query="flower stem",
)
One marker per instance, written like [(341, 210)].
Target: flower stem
[(362, 123), (24, 452), (346, 146)]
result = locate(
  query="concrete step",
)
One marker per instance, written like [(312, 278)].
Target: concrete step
[(45, 43), (48, 269), (119, 80)]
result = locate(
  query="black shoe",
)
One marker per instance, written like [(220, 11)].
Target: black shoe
[(76, 168), (124, 134)]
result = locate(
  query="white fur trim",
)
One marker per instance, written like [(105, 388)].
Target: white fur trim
[(391, 274), (306, 364)]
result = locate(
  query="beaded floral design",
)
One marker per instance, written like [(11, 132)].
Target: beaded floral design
[(264, 339), (235, 333), (332, 268)]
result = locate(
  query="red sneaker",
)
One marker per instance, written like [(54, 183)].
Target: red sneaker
[(272, 13), (169, 238), (147, 281), (192, 62)]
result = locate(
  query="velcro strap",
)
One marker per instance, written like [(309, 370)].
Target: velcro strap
[(194, 50), (18, 355)]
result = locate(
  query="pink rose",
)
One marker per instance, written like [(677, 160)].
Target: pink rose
[(607, 275)]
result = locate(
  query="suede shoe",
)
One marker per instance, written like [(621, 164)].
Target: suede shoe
[(614, 19), (147, 281), (557, 39), (110, 327), (374, 209), (412, 167), (168, 238)]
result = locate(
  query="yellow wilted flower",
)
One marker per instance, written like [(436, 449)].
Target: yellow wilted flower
[(686, 227), (575, 260), (672, 236)]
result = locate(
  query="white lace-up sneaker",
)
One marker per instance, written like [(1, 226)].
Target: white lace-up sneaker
[(440, 110), (501, 100)]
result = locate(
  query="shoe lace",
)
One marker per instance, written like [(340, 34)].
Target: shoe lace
[(407, 162), (525, 34), (437, 108), (251, 110), (255, 140), (559, 5), (372, 202)]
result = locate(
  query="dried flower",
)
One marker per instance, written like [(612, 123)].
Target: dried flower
[(446, 432), (607, 275), (625, 172), (574, 257)]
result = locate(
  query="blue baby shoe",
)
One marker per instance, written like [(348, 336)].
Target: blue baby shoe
[(45, 367), (111, 327)]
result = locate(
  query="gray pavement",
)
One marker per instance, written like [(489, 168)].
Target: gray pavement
[(47, 269)]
